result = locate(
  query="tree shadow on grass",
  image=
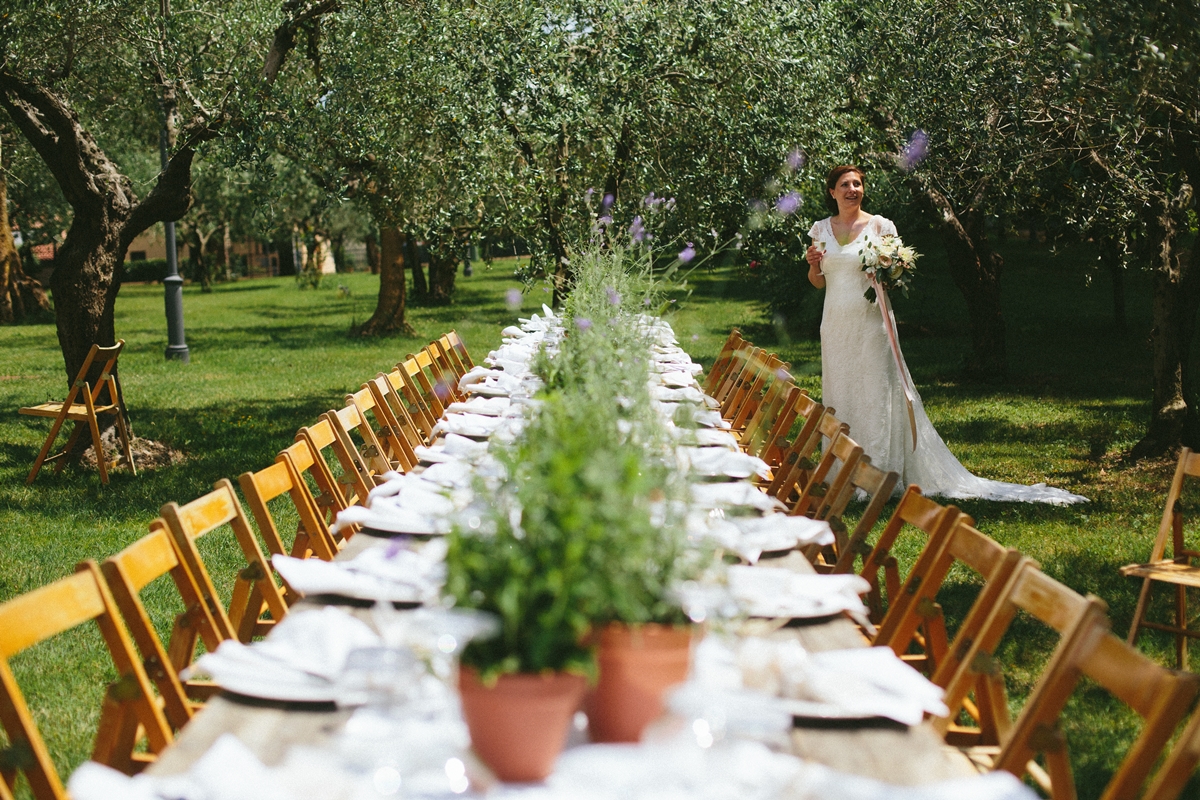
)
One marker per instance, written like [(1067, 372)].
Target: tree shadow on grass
[(230, 439)]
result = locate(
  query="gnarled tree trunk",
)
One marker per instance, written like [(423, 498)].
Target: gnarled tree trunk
[(20, 295), (390, 307), (443, 270), (1173, 416)]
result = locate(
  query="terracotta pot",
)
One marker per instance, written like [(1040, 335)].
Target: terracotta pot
[(637, 666), (519, 726)]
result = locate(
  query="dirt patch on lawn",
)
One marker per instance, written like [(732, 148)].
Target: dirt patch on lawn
[(147, 453)]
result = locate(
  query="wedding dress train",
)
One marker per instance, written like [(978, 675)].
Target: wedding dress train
[(861, 382)]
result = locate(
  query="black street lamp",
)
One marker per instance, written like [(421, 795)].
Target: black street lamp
[(177, 348)]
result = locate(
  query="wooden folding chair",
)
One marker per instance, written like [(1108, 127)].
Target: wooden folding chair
[(418, 410), (444, 371), (435, 394), (362, 464), (320, 438), (456, 350), (749, 387), (1160, 696), (254, 586), (800, 459), (916, 620), (83, 407), (730, 393), (771, 421), (843, 453), (397, 431), (768, 372), (914, 513), (310, 466), (1179, 766), (127, 574), (279, 479), (396, 449), (1178, 571), (716, 373), (39, 615), (877, 487)]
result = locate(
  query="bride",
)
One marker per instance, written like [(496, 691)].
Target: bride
[(859, 376)]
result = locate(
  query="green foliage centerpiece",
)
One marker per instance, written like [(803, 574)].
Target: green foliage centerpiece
[(586, 528)]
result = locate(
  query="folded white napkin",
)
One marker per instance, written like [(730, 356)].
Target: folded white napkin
[(410, 491), (707, 437), (673, 368), (688, 394), (453, 447), (392, 519), (393, 574), (476, 426), (677, 378), (300, 661), (486, 406), (750, 537), (781, 593), (710, 417), (509, 365), (871, 681), (729, 495), (713, 461), (493, 378), (448, 475), (514, 332)]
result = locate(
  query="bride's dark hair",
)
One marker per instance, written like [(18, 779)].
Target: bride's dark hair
[(831, 182)]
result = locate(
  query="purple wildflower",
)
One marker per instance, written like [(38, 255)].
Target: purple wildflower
[(915, 151), (587, 196), (604, 220), (614, 297), (583, 323), (646, 302), (671, 204), (795, 160), (687, 253), (637, 231), (512, 299), (788, 204), (441, 390), (695, 337), (607, 202), (782, 374)]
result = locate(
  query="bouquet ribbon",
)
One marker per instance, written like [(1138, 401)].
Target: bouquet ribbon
[(889, 325)]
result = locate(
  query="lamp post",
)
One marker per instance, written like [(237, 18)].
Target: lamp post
[(177, 348)]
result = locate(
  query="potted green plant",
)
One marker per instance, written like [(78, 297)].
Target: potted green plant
[(528, 561)]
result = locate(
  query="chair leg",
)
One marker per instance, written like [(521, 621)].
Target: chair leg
[(101, 458), (37, 464), (1181, 620), (71, 440), (1138, 613), (123, 430)]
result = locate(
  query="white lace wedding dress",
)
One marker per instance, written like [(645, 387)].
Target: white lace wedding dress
[(860, 381)]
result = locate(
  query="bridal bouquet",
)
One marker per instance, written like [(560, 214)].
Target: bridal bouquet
[(890, 263)]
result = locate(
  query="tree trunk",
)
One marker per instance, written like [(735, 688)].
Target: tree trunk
[(420, 287), (1110, 257), (976, 271), (443, 270), (1173, 417), (20, 295), (390, 308), (372, 253)]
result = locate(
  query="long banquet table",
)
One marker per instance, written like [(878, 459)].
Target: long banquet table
[(883, 750)]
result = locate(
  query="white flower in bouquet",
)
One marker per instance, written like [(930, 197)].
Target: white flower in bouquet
[(890, 263)]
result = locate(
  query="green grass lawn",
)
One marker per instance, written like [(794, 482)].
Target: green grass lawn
[(268, 358)]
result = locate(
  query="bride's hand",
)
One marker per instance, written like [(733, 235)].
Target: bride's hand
[(814, 256)]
